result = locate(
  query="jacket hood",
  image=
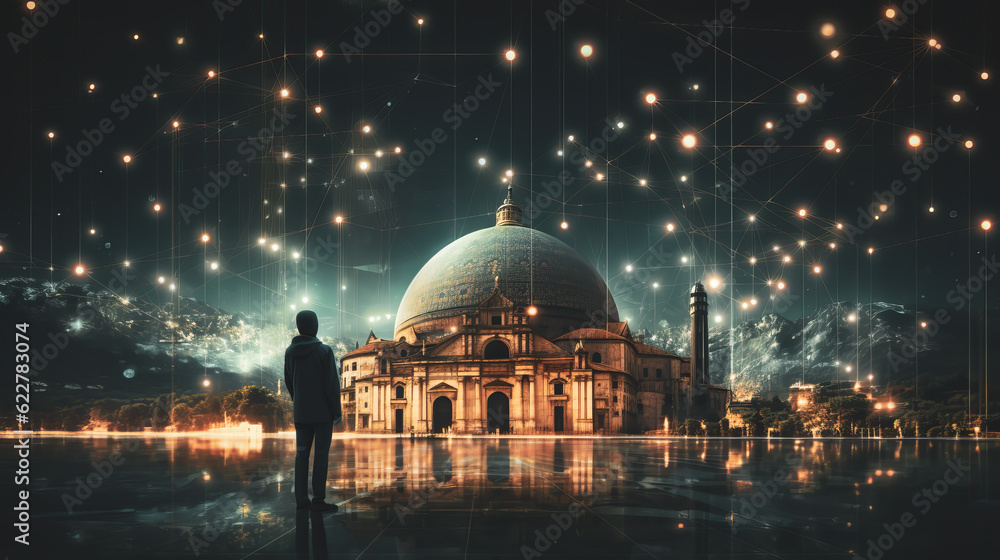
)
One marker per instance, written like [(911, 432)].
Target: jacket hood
[(303, 345)]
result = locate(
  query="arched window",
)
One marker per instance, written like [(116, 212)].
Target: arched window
[(354, 366), (399, 392), (557, 388), (596, 358), (496, 350)]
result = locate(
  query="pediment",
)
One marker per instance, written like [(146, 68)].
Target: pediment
[(442, 387)]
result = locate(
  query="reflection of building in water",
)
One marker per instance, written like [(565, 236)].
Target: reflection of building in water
[(508, 329)]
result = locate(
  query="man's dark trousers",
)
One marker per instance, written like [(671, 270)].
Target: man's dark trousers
[(305, 435)]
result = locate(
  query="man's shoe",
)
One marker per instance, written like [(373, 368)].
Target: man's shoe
[(324, 507)]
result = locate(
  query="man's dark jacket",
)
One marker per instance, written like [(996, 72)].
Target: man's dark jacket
[(311, 379)]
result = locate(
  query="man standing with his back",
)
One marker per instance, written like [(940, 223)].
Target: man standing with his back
[(312, 382)]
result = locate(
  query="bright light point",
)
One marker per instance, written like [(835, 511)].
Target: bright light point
[(93, 231), (753, 218), (684, 259), (753, 301), (656, 284), (713, 283), (204, 238), (871, 250), (828, 30), (969, 144), (52, 135), (834, 54), (30, 5), (305, 300), (718, 318), (745, 305), (787, 259), (92, 86), (883, 207), (588, 163), (600, 177), (79, 270), (482, 161), (840, 226), (753, 260), (284, 93), (320, 53), (914, 140), (398, 150), (621, 124), (339, 219), (817, 269), (985, 75), (652, 136), (318, 109), (628, 268), (586, 51), (420, 21), (923, 324), (833, 245), (161, 279), (688, 141), (931, 209), (343, 287), (211, 73), (802, 213), (642, 182), (262, 241), (206, 383), (571, 137), (127, 159), (564, 225), (176, 124), (986, 225), (363, 165), (830, 144), (769, 125), (670, 227), (684, 178), (956, 98), (890, 13), (801, 97), (180, 40), (532, 310), (510, 55), (509, 173), (503, 179), (650, 98), (781, 285), (695, 86), (802, 243), (275, 247), (852, 317)]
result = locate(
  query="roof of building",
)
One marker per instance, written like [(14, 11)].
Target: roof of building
[(643, 348), (605, 367), (590, 333), (370, 348)]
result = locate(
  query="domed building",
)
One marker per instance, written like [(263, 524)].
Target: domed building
[(509, 330)]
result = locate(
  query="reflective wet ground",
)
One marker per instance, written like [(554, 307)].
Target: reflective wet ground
[(489, 498)]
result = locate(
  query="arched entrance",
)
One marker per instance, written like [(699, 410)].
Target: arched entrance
[(442, 414), (498, 413)]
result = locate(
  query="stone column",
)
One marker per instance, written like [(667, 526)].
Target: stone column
[(460, 406), (516, 414), (532, 411)]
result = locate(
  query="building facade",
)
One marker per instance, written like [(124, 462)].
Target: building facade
[(497, 334)]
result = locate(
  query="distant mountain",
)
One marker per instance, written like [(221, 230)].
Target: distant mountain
[(84, 338), (768, 352)]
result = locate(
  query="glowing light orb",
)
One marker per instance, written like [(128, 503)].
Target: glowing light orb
[(787, 259), (261, 241), (378, 153), (180, 40), (206, 384), (781, 285), (753, 260), (834, 54), (93, 231), (801, 97), (214, 266), (871, 250), (923, 324), (339, 219), (204, 238), (817, 269), (986, 225), (642, 182), (828, 30), (718, 318), (176, 124), (161, 279), (628, 268), (511, 55), (559, 153), (586, 51), (398, 149), (621, 124), (890, 13), (305, 300), (363, 165), (1, 248), (284, 93), (852, 317), (532, 310), (753, 218), (802, 213), (830, 144), (914, 140), (753, 301), (482, 161), (79, 270), (600, 177), (670, 227), (570, 137), (931, 209), (211, 73), (275, 247), (420, 21), (509, 173), (684, 259), (833, 245), (938, 46), (969, 144), (745, 305), (688, 141), (156, 208), (588, 163), (320, 53), (769, 125), (52, 135), (650, 98), (956, 98), (564, 225), (30, 5), (932, 42), (652, 136), (985, 75), (714, 282), (286, 155), (92, 86), (840, 226), (318, 109), (684, 178), (366, 129), (127, 159), (129, 373)]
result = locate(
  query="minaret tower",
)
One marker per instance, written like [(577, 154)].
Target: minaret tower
[(509, 214), (699, 336)]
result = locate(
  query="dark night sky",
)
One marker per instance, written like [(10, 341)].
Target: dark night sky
[(405, 82)]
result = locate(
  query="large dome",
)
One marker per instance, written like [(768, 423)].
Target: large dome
[(568, 292)]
